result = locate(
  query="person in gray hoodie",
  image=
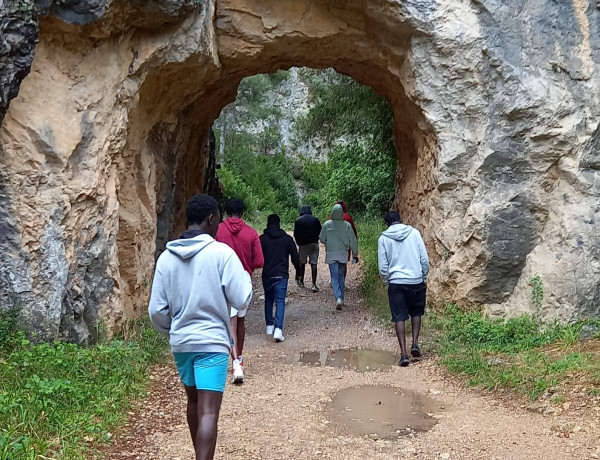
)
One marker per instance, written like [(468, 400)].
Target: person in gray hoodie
[(404, 265), (338, 237), (195, 282)]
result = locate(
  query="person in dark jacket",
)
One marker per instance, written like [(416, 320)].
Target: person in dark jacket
[(306, 233), (277, 247)]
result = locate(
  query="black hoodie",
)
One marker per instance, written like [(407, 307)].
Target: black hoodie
[(277, 247), (307, 227)]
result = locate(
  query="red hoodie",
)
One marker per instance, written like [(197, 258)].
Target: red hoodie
[(243, 239)]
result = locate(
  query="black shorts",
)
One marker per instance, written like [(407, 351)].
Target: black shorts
[(407, 299)]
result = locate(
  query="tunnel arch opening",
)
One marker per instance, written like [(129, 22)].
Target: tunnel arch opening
[(169, 138)]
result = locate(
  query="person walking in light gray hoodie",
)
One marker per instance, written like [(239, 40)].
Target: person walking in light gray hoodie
[(195, 282), (404, 266), (338, 237)]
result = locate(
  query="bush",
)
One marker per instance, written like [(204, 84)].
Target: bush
[(265, 182), (10, 329), (57, 397)]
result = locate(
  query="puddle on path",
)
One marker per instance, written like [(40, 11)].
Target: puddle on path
[(359, 359), (382, 412)]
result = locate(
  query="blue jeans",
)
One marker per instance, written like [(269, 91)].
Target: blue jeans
[(275, 292), (337, 271)]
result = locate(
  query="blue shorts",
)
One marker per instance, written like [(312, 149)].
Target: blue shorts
[(205, 371)]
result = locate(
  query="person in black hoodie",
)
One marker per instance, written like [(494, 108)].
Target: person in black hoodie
[(306, 233), (277, 247)]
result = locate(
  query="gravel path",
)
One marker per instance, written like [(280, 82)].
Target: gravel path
[(282, 411)]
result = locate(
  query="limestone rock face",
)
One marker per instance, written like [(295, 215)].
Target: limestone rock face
[(18, 36), (496, 115)]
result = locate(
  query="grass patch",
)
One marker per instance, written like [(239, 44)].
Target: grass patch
[(371, 286), (58, 399), (520, 354)]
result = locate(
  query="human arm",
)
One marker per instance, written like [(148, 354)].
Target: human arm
[(353, 242), (258, 260), (236, 284), (296, 231), (424, 259), (293, 252), (158, 308), (382, 261), (323, 234)]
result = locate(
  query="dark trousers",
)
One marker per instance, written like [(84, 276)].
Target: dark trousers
[(275, 292)]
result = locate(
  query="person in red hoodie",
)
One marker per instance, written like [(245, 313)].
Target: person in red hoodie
[(244, 240), (347, 216)]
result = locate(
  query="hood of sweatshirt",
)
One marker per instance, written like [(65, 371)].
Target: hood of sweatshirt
[(337, 212), (189, 247), (398, 232), (305, 210), (234, 224), (274, 232)]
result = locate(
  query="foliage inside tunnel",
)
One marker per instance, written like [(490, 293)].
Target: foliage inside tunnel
[(307, 136)]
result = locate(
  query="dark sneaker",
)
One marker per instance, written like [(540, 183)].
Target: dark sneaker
[(300, 283), (415, 351), (404, 361)]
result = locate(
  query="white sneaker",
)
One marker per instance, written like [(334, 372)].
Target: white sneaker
[(270, 329), (339, 303), (238, 372), (278, 335)]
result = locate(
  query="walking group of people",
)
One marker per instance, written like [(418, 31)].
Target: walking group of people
[(202, 288)]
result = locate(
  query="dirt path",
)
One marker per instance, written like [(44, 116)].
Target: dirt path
[(282, 411)]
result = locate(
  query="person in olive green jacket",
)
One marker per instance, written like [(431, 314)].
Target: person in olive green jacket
[(337, 236)]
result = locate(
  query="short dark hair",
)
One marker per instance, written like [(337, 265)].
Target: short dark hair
[(392, 217), (273, 220), (199, 208), (235, 206)]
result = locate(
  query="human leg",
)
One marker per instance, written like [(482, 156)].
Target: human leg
[(399, 311), (210, 370), (342, 278), (269, 300), (415, 322), (280, 291), (300, 274), (203, 376), (241, 335), (208, 407), (417, 310), (401, 335), (192, 412), (233, 321), (313, 269), (335, 283)]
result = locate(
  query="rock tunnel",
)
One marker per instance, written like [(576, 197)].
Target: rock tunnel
[(496, 119)]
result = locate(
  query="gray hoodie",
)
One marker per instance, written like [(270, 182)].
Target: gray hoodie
[(194, 282), (402, 256)]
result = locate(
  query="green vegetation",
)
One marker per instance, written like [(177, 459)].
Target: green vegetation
[(537, 291), (373, 290), (361, 171), (265, 183), (58, 400), (520, 354)]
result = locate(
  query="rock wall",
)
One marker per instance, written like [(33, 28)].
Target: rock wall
[(496, 116)]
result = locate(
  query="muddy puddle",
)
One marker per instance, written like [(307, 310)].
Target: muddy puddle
[(362, 360), (382, 412)]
